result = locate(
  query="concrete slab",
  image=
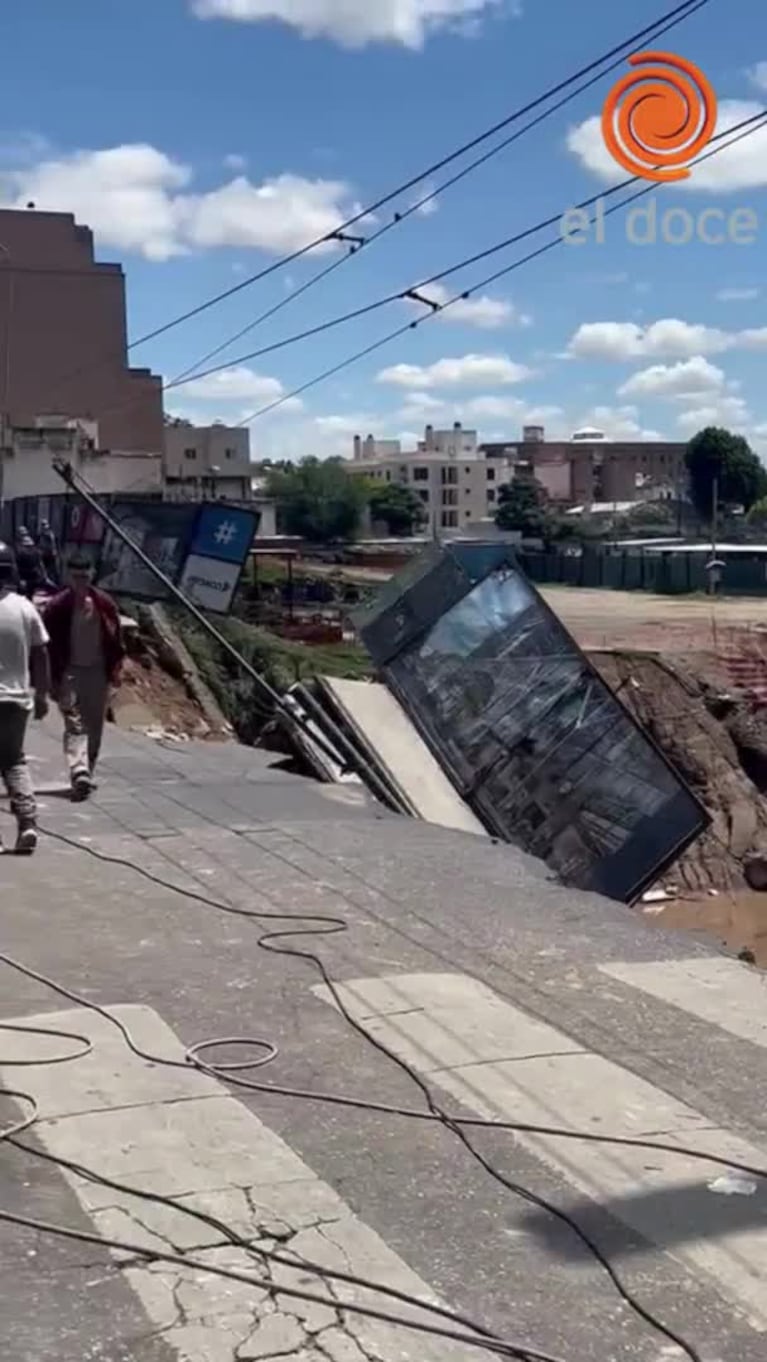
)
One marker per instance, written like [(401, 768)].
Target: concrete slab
[(725, 993), (371, 710), (420, 903), (668, 1199), (187, 1146)]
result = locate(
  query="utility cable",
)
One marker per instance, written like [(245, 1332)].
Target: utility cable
[(744, 129), (325, 925), (681, 10), (191, 371), (338, 234)]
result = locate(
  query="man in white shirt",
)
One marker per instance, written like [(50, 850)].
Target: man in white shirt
[(24, 688)]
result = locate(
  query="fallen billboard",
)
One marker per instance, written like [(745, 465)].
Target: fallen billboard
[(533, 740)]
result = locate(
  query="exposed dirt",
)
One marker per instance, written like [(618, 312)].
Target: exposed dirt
[(670, 699), (151, 699)]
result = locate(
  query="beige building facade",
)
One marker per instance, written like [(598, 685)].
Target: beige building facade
[(454, 479), (207, 462)]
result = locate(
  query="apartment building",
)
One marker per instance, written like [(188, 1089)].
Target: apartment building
[(63, 335), (456, 481), (207, 462), (590, 468), (28, 453)]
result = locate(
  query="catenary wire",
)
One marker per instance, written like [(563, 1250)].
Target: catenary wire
[(746, 128), (683, 9), (191, 370), (679, 12)]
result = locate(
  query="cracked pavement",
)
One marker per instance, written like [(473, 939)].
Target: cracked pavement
[(391, 1200)]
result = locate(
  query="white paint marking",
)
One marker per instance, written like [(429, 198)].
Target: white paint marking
[(179, 1133), (457, 1035), (723, 992)]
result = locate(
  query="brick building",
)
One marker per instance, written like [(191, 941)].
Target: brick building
[(590, 468), (63, 335)]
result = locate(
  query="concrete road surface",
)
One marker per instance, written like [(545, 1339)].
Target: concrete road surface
[(508, 997)]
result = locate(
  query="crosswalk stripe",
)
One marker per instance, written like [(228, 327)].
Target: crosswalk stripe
[(499, 1062), (179, 1133), (722, 992)]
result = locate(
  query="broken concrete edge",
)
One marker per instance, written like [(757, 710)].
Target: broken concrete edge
[(175, 657)]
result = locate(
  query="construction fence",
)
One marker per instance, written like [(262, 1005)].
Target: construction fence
[(669, 573)]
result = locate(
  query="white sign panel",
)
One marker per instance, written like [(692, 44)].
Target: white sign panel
[(210, 583)]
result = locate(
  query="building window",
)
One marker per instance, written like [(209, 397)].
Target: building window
[(449, 476), (190, 453), (424, 495), (420, 475), (449, 496), (491, 494), (231, 453), (388, 475), (467, 472), (449, 520), (491, 475)]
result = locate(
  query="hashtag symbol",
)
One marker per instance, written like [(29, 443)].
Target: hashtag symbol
[(226, 532)]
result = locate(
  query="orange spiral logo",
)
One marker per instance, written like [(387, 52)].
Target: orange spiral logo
[(657, 119)]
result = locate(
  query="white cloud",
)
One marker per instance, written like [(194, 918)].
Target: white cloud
[(354, 23), (420, 408), (239, 384), (686, 379), (136, 198), (737, 295), (758, 75), (235, 162), (669, 338), (469, 370), (741, 166), (731, 412), (489, 314), (617, 423)]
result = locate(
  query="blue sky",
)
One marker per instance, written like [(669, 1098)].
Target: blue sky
[(202, 139)]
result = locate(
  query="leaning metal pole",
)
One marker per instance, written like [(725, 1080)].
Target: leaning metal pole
[(353, 760)]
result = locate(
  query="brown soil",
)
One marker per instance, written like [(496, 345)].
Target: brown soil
[(671, 699), (737, 921), (149, 698)]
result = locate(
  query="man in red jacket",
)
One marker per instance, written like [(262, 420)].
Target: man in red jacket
[(86, 652)]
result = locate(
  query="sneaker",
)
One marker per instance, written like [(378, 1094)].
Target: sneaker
[(26, 842), (81, 787)]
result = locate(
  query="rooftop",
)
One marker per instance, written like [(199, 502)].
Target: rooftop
[(511, 997)]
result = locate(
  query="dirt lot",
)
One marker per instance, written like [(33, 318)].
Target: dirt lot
[(635, 619)]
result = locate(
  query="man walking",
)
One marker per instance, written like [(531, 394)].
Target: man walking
[(86, 649), (24, 686)]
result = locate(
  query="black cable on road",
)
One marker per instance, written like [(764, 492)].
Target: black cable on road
[(274, 942)]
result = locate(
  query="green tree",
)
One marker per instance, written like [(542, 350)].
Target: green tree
[(757, 516), (715, 455), (522, 507), (400, 508), (318, 500)]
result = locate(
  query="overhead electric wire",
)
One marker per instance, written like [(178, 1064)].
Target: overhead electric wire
[(191, 370), (659, 25), (682, 10), (746, 128)]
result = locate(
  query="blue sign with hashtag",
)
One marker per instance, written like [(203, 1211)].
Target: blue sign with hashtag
[(225, 533)]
